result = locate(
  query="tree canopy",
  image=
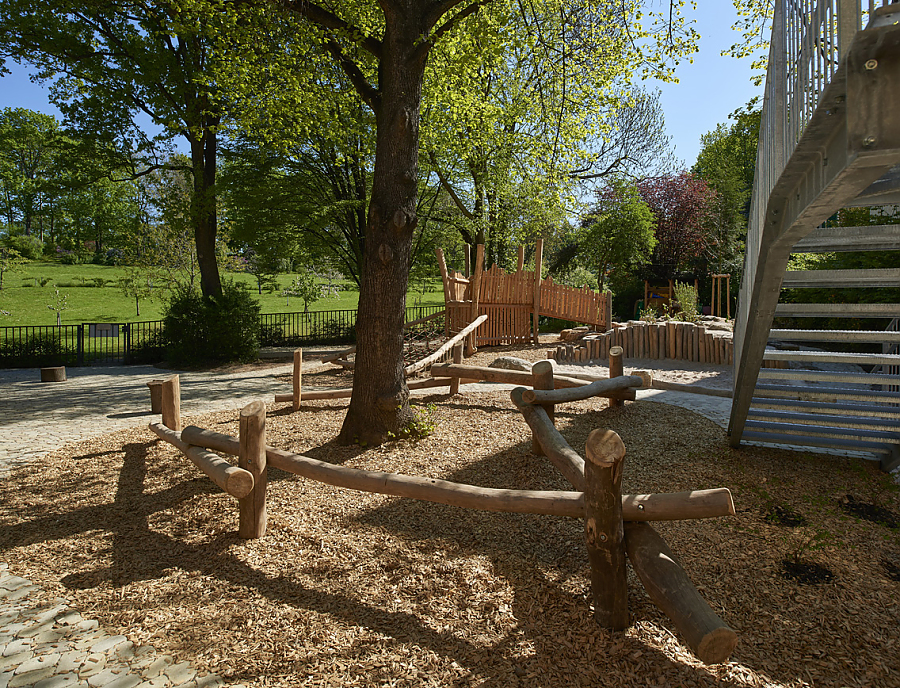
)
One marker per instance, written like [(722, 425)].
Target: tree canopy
[(109, 63)]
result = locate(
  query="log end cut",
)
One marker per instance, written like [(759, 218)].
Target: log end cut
[(717, 646), (238, 483), (604, 447)]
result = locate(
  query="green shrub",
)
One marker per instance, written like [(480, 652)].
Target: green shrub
[(686, 297), (29, 247), (201, 330)]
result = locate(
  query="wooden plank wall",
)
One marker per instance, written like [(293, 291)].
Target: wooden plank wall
[(508, 301)]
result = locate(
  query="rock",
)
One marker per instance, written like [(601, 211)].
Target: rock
[(511, 363), (573, 334)]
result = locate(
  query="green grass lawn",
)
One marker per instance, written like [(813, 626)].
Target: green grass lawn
[(27, 301)]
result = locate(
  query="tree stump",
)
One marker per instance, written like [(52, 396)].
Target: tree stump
[(54, 374)]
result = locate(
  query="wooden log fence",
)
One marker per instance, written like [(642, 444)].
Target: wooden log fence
[(615, 523), (608, 537)]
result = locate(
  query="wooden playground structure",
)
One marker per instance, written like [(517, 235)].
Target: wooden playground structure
[(616, 524), (513, 303)]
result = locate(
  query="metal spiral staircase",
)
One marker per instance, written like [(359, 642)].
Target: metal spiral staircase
[(829, 139)]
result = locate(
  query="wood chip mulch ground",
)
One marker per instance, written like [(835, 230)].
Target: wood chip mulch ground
[(355, 589)]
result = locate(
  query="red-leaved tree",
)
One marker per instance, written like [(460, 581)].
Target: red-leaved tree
[(683, 205)]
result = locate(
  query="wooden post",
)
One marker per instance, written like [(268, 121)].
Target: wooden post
[(542, 372), (728, 296), (471, 342), (467, 252), (297, 378), (616, 369), (538, 266), (521, 262), (170, 396), (445, 278), (457, 359), (53, 374), (155, 396), (672, 591), (252, 458), (603, 528)]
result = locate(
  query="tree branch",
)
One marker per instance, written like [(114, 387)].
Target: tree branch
[(446, 184), (327, 20), (366, 91), (440, 9)]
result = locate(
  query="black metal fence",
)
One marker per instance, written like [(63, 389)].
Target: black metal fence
[(88, 344)]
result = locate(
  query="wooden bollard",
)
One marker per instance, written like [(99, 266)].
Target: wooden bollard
[(672, 591), (616, 369), (155, 387), (252, 458), (297, 379), (457, 359), (170, 398), (542, 375), (603, 528), (53, 374)]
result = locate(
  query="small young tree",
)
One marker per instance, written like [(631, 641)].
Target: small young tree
[(138, 284), (619, 231), (303, 287), (60, 304)]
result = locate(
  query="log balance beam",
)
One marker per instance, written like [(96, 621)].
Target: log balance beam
[(610, 535), (642, 507)]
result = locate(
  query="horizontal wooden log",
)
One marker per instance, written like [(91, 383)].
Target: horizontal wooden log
[(237, 482), (556, 503), (509, 377), (643, 507), (673, 592), (555, 447), (338, 354), (419, 321), (445, 347), (346, 392), (600, 388), (679, 506)]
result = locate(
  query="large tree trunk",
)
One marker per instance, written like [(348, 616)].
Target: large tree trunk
[(203, 208), (380, 401)]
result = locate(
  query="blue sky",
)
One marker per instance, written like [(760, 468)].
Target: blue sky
[(709, 90)]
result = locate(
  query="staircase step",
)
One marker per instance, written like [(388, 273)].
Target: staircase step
[(831, 357), (829, 376), (825, 394), (831, 239), (845, 279), (865, 336), (886, 424), (871, 410), (824, 431), (837, 310), (877, 448)]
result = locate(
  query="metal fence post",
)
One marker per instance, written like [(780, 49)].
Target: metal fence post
[(80, 345)]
